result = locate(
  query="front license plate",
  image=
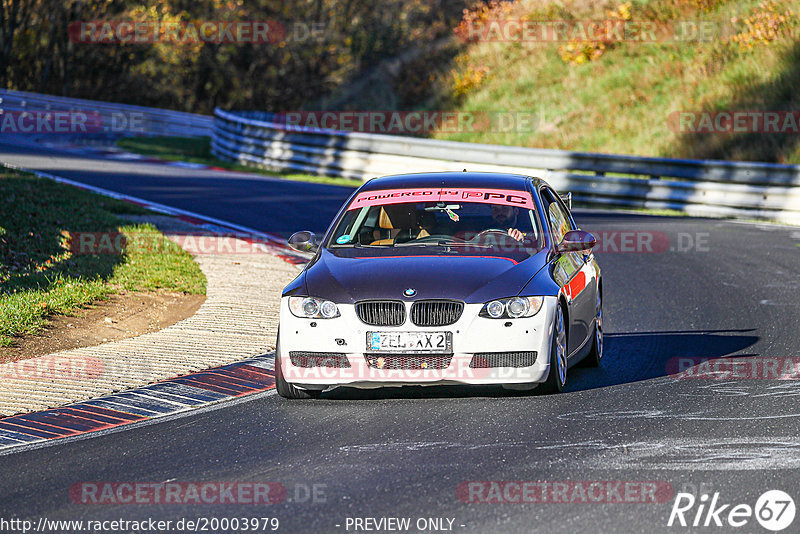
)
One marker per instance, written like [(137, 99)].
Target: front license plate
[(441, 342)]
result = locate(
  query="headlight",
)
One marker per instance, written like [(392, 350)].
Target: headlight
[(313, 308), (512, 308), (328, 310), (495, 309), (517, 307)]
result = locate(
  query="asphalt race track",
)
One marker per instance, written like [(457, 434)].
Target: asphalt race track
[(251, 200), (713, 289)]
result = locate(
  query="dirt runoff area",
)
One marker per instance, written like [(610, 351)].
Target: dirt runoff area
[(123, 315)]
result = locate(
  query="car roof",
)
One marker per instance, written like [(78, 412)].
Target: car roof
[(495, 180)]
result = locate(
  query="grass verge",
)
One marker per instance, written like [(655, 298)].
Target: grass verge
[(198, 150), (625, 97), (43, 271)]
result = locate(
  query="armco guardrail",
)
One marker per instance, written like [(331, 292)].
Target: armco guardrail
[(104, 118), (710, 188)]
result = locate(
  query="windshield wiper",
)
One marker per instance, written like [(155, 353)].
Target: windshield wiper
[(423, 244), (443, 244), (464, 244)]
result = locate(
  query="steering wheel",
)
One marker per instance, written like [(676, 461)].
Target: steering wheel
[(492, 231), (437, 237)]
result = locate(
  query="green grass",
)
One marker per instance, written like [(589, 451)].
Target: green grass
[(198, 150), (41, 276), (622, 101)]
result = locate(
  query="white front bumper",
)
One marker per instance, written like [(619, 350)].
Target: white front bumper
[(471, 334)]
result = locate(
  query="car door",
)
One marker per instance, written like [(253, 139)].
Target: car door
[(573, 271), (587, 285)]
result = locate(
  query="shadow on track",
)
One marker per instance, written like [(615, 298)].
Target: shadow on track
[(630, 357)]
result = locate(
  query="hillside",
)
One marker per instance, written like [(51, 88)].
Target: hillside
[(622, 95)]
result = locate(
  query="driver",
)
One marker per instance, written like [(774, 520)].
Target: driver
[(506, 217)]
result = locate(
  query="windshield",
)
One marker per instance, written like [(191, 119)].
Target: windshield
[(454, 221)]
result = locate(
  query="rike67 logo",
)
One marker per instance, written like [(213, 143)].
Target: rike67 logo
[(774, 510)]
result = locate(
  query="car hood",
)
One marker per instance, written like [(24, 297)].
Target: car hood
[(473, 279)]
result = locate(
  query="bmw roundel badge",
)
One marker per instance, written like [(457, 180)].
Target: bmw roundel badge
[(410, 292)]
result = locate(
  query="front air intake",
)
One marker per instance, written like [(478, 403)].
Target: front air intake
[(408, 362), (485, 360), (319, 359)]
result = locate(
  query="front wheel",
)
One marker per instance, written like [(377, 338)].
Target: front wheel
[(284, 388), (557, 377)]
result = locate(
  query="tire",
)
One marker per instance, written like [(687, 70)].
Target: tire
[(557, 377), (595, 355), (284, 388)]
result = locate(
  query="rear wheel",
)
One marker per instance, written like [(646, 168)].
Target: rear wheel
[(558, 355), (596, 354), (285, 389)]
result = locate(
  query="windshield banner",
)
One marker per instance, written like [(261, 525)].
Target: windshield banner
[(508, 197)]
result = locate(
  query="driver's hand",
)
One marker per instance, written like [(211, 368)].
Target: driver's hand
[(516, 234)]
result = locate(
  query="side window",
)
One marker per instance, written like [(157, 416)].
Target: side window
[(557, 216)]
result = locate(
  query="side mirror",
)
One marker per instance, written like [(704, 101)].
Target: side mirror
[(304, 241), (576, 241)]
